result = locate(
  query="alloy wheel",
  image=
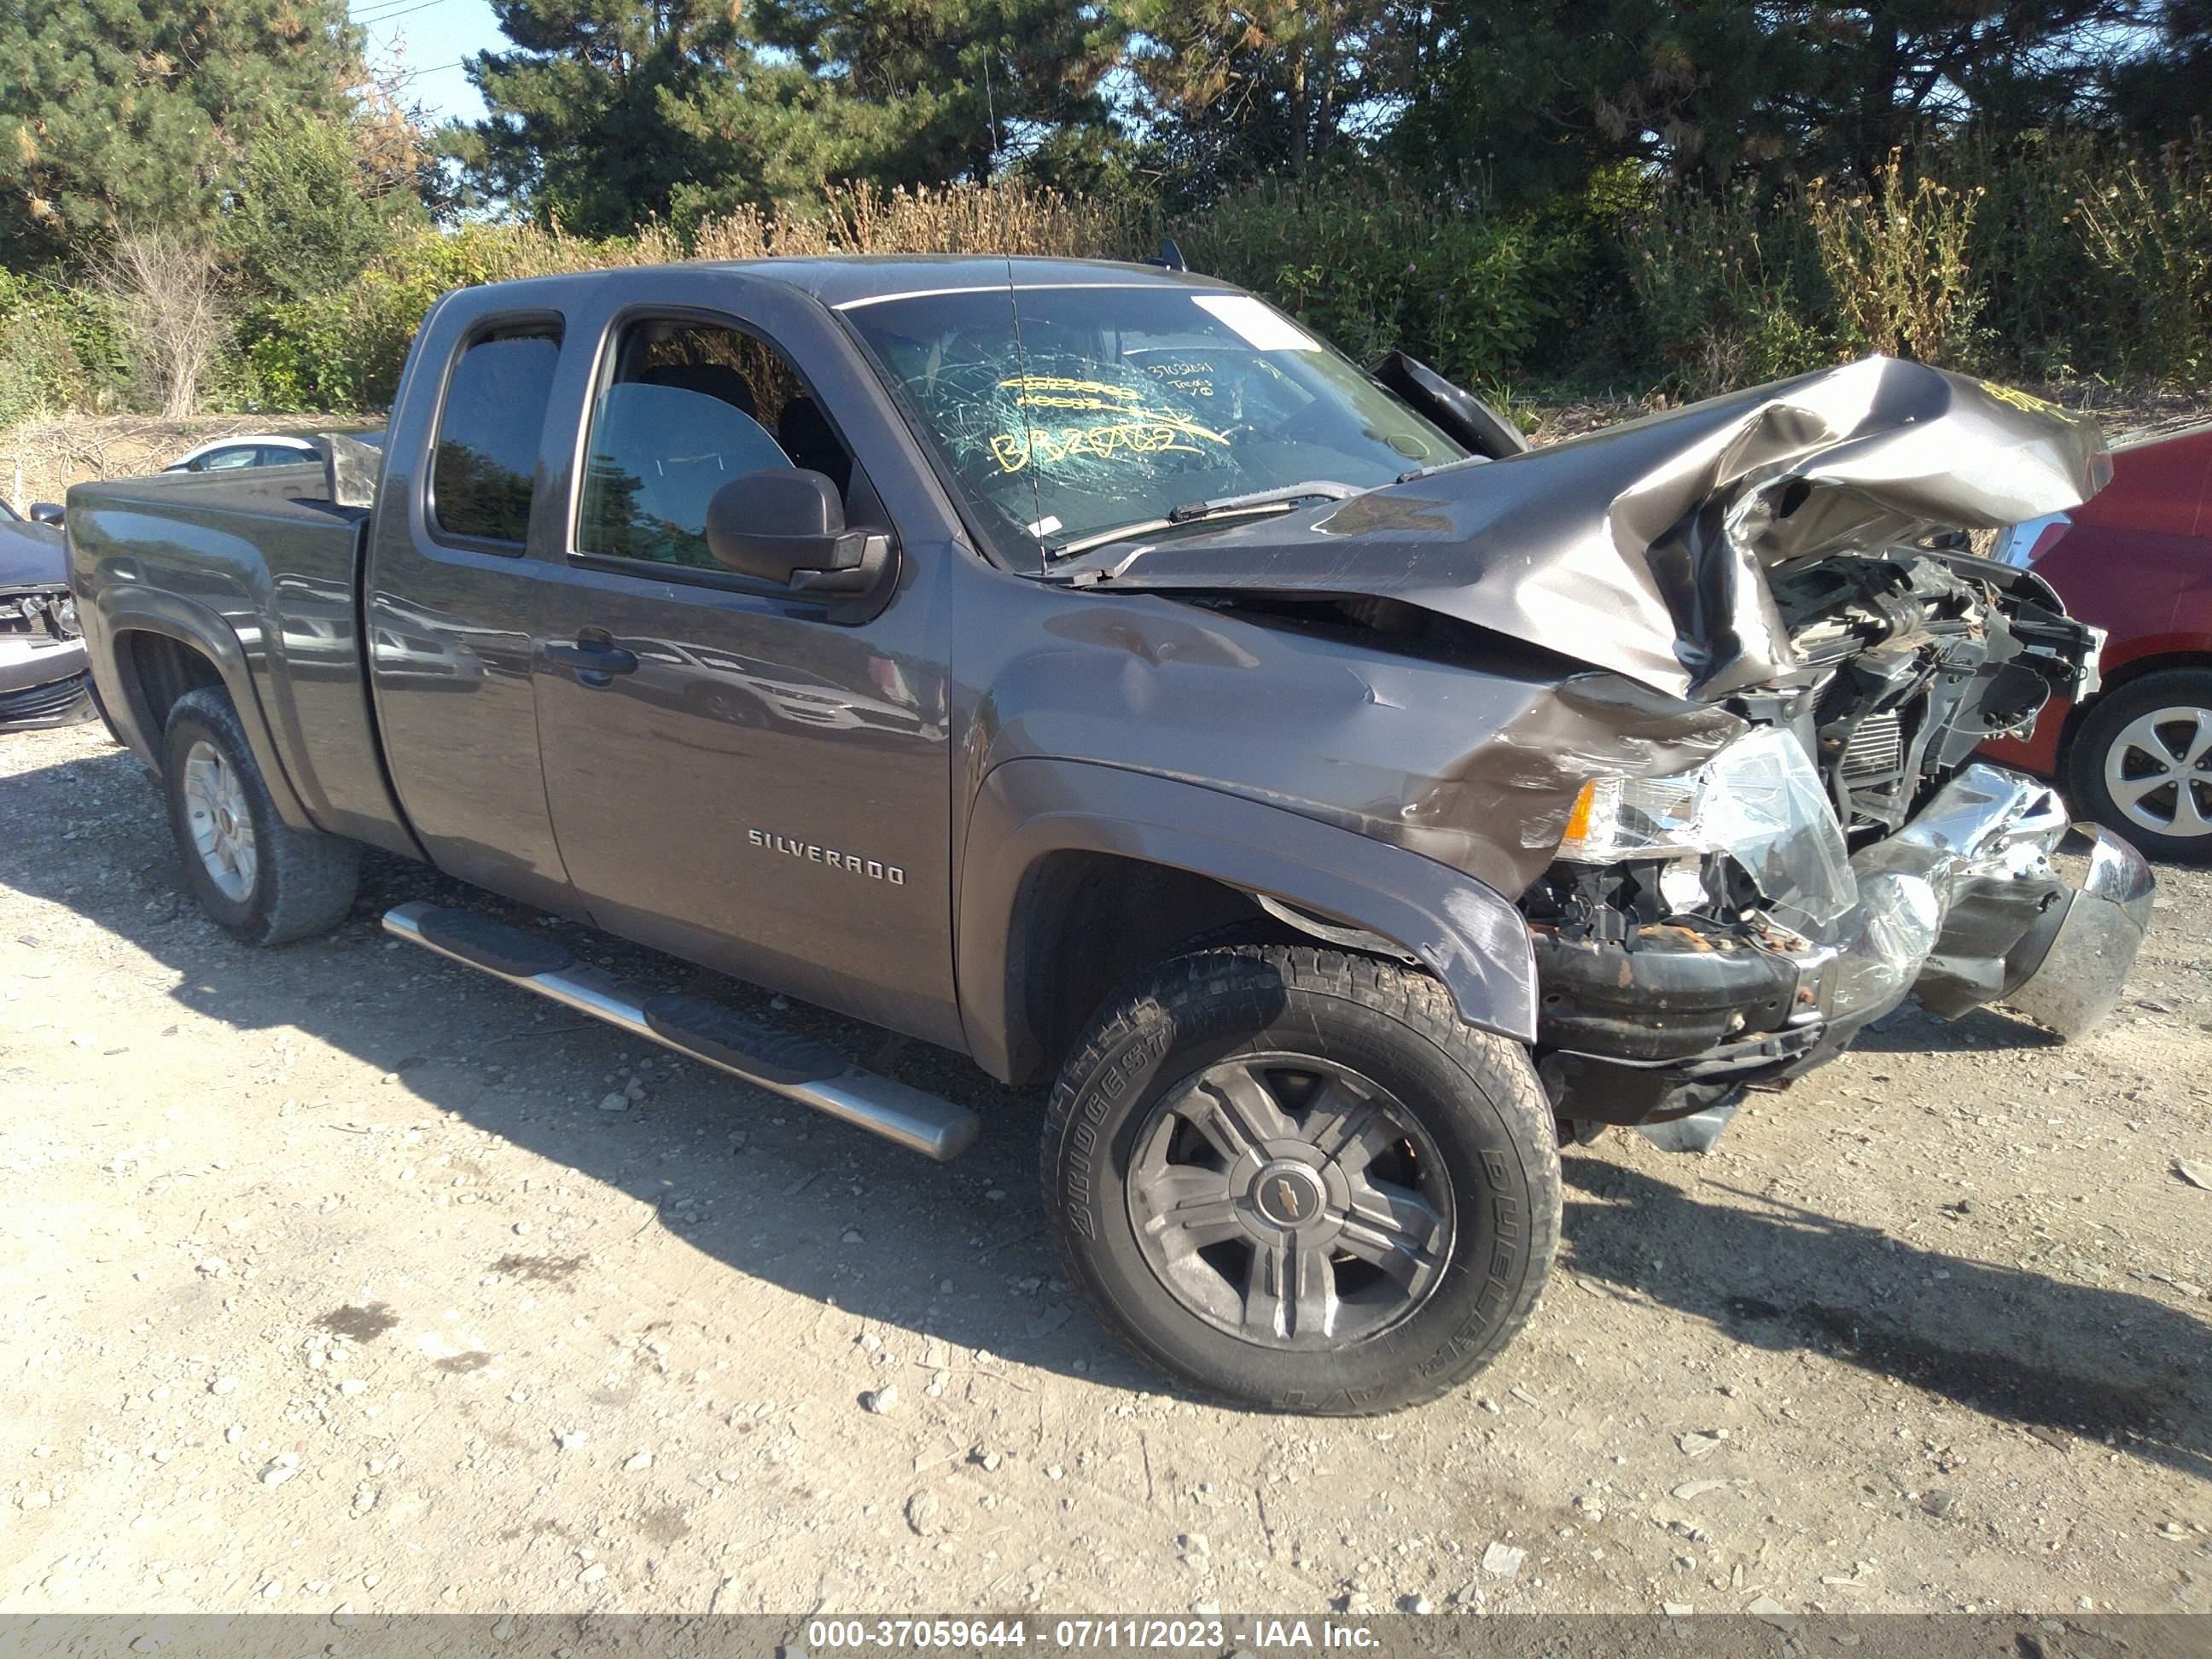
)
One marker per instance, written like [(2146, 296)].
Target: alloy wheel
[(2158, 771), (222, 823), (1290, 1202)]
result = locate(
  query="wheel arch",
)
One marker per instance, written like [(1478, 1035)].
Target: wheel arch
[(1074, 874), (156, 654)]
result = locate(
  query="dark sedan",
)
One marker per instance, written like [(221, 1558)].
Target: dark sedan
[(42, 672)]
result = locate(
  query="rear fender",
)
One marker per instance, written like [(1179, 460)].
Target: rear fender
[(1471, 937), (124, 610)]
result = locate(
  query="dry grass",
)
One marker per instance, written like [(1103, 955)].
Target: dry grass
[(1009, 217)]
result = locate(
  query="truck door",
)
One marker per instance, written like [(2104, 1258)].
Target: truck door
[(735, 777), (447, 597)]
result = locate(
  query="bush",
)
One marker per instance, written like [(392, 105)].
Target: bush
[(2146, 225), (1730, 291), (57, 350), (2057, 256), (1896, 259), (164, 289), (300, 223), (344, 350), (1376, 265)]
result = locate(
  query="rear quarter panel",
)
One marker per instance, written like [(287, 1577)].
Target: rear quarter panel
[(257, 573)]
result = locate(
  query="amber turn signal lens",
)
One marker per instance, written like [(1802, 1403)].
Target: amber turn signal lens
[(1578, 817)]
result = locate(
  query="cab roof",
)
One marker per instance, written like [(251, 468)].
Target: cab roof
[(848, 280)]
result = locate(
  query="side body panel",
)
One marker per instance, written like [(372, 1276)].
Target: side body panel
[(1470, 936), (255, 574), (768, 791), (448, 635), (1407, 797)]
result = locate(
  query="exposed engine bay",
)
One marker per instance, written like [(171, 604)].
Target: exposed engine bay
[(1861, 856), (1917, 657), (1733, 788)]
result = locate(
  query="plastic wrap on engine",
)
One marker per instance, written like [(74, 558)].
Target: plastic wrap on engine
[(1892, 929), (1760, 801)]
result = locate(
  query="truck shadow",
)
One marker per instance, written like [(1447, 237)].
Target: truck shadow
[(2069, 1362), (854, 1224), (962, 1253)]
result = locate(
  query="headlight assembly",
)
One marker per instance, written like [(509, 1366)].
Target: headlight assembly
[(1758, 802)]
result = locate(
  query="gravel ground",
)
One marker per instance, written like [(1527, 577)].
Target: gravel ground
[(336, 1277)]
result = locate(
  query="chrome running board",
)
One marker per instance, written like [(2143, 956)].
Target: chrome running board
[(785, 1062)]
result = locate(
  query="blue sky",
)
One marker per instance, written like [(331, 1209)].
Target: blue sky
[(430, 38)]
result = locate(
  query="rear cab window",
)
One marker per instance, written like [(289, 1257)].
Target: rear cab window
[(485, 462)]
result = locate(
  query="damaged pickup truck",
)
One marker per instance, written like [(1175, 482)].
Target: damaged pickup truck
[(1084, 668)]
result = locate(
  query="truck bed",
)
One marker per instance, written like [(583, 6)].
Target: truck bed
[(261, 556)]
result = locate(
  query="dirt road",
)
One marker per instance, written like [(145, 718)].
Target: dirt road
[(335, 1276)]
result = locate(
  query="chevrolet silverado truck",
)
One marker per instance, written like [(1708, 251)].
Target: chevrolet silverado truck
[(1085, 668)]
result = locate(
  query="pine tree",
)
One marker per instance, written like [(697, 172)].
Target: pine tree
[(588, 121), (1258, 88), (608, 113), (132, 113), (1527, 96)]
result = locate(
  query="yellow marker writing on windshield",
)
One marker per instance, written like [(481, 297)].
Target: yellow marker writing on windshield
[(1149, 433)]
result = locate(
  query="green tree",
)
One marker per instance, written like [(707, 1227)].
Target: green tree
[(608, 112), (1530, 96), (588, 121), (1234, 90), (948, 89), (2160, 94), (303, 219), (132, 112)]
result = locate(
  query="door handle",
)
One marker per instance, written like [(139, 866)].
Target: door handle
[(594, 661)]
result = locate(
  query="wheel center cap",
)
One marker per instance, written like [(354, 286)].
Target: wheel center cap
[(1287, 1194)]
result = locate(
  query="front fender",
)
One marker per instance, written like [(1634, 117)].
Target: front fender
[(1470, 936)]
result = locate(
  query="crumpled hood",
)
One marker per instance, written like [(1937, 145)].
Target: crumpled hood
[(31, 555), (1643, 548)]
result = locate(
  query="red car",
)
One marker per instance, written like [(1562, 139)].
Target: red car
[(2135, 561)]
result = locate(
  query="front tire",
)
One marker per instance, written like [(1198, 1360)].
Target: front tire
[(1294, 1178), (264, 882), (2141, 763)]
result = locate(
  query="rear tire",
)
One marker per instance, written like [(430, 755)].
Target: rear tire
[(2141, 763), (264, 882), (1294, 1178)]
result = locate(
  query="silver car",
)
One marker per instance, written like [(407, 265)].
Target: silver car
[(43, 671)]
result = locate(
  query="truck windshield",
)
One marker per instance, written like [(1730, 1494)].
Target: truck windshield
[(1108, 406)]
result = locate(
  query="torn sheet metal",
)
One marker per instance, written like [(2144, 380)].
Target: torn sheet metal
[(1643, 548)]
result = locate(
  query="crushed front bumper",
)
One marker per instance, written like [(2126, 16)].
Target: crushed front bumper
[(1988, 894)]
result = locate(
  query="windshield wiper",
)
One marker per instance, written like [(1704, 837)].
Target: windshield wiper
[(1288, 494), (1280, 500)]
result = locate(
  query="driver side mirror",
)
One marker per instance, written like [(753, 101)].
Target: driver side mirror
[(46, 512), (786, 526)]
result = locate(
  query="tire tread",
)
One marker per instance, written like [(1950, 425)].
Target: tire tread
[(1412, 999), (310, 877)]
